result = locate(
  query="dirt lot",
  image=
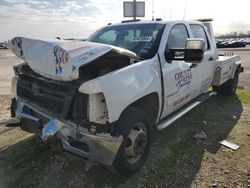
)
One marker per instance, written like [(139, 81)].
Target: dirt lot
[(176, 159)]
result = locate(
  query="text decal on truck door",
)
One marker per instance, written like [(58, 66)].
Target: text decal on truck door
[(183, 78)]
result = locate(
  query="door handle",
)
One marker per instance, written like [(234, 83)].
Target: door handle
[(193, 65), (210, 59)]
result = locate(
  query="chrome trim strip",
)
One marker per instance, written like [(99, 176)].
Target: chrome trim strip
[(172, 119), (169, 121)]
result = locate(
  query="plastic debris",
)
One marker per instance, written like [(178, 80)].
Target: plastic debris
[(13, 122), (229, 144), (200, 136)]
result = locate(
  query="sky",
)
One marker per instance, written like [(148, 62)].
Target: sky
[(79, 18)]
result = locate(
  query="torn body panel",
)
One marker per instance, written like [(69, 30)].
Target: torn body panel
[(97, 109), (60, 97), (101, 148), (59, 59), (121, 77), (124, 86)]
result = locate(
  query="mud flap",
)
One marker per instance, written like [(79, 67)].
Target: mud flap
[(13, 122), (30, 126), (13, 107)]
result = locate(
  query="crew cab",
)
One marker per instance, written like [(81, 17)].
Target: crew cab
[(102, 99)]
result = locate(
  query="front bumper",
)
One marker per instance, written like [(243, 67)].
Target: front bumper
[(101, 148)]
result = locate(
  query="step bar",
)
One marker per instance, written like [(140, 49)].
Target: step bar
[(173, 118)]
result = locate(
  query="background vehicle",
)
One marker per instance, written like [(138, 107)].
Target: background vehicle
[(103, 98), (3, 46), (231, 43)]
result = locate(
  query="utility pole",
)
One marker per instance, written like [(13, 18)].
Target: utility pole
[(134, 11), (153, 10), (171, 11), (184, 12)]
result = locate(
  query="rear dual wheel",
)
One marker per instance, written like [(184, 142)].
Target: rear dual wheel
[(229, 87)]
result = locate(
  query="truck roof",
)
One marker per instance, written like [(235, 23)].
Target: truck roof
[(131, 22), (206, 22)]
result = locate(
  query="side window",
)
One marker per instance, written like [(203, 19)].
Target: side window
[(177, 37), (198, 32)]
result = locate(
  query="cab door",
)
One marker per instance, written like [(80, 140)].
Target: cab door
[(206, 67), (179, 77)]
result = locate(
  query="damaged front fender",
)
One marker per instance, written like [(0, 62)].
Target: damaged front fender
[(126, 85)]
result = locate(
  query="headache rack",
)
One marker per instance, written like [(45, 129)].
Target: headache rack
[(205, 20)]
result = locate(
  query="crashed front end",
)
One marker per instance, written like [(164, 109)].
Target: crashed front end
[(55, 109), (47, 100)]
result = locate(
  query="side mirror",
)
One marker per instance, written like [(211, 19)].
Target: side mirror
[(194, 50)]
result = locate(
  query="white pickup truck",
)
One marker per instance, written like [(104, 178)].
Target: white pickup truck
[(103, 98)]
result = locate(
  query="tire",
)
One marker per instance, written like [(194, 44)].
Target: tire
[(229, 87), (137, 131)]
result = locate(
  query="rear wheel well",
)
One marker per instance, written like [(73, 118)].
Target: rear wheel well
[(237, 69), (229, 87), (148, 103)]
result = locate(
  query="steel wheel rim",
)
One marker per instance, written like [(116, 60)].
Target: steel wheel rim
[(136, 143)]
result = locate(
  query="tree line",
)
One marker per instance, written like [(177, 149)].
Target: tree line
[(234, 34)]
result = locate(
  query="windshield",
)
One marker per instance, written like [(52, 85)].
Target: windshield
[(142, 39)]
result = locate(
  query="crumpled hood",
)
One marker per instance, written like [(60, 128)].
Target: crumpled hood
[(60, 59)]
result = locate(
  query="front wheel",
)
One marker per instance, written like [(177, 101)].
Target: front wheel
[(137, 131)]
